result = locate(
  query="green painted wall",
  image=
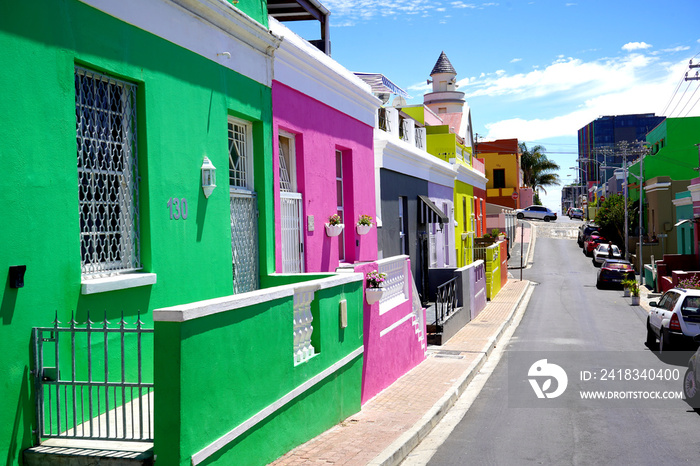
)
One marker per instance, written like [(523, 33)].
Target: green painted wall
[(183, 104), (252, 351), (674, 152), (256, 10), (685, 243)]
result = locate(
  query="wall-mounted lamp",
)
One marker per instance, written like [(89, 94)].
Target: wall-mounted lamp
[(17, 276), (208, 177)]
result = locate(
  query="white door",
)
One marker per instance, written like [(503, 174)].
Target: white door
[(291, 208)]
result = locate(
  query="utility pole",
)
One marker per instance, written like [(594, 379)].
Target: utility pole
[(692, 78)]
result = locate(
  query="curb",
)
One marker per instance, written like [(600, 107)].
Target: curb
[(400, 448)]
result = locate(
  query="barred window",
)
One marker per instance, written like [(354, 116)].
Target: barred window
[(105, 110), (240, 167)]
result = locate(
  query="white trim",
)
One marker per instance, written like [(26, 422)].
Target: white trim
[(208, 307), (303, 67), (263, 414), (399, 156), (395, 324), (119, 282), (470, 176), (657, 187), (681, 201), (205, 27), (694, 192)]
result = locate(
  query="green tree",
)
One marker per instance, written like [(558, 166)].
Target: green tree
[(611, 218), (539, 172)]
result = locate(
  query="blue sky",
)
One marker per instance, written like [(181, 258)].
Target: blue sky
[(534, 70)]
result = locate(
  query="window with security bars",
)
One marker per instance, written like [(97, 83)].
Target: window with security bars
[(105, 110), (240, 169)]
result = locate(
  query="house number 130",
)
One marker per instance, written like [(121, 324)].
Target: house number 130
[(178, 208)]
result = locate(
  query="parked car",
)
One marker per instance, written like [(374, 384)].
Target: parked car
[(584, 231), (576, 213), (613, 271), (536, 211), (674, 320), (592, 242), (691, 381), (604, 252)]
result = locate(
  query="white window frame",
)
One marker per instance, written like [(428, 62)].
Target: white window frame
[(402, 226)]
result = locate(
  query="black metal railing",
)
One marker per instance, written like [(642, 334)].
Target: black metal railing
[(384, 120), (446, 301), (89, 381), (403, 129)]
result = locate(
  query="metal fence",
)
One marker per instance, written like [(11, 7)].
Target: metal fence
[(85, 391), (446, 301)]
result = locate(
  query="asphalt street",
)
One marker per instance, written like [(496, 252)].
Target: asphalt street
[(591, 334)]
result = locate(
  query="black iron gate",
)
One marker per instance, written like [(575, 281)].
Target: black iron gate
[(89, 381)]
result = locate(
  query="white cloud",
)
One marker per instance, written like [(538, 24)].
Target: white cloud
[(463, 5), (516, 60), (631, 46), (577, 78), (680, 48), (637, 94)]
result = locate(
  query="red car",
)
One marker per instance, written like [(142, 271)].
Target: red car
[(591, 243)]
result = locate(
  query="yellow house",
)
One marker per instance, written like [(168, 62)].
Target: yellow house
[(502, 165)]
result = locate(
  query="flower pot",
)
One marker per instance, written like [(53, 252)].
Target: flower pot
[(334, 230), (373, 295), (501, 237), (625, 293), (363, 229), (635, 300)]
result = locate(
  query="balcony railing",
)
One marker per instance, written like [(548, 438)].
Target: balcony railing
[(384, 124), (446, 302), (403, 130), (396, 281), (420, 138)]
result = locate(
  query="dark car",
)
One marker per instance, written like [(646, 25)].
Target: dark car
[(585, 231), (613, 271), (592, 242)]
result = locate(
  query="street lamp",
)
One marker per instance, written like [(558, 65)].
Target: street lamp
[(580, 178), (624, 184)]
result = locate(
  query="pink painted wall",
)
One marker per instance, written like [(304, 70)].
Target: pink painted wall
[(319, 131), (388, 357)]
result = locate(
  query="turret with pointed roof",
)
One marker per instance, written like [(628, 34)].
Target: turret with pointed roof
[(445, 99), (443, 65)]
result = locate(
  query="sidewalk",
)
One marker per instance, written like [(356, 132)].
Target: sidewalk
[(391, 424), (523, 231)]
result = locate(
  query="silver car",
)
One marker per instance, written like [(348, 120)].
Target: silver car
[(536, 211)]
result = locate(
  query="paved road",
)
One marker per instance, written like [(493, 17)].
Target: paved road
[(571, 322)]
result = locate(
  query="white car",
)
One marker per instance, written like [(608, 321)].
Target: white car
[(536, 211), (604, 252), (674, 320)]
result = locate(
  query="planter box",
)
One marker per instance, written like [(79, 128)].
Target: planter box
[(334, 230), (635, 300), (363, 229), (373, 295)]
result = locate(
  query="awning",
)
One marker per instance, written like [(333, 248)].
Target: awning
[(428, 212), (381, 84)]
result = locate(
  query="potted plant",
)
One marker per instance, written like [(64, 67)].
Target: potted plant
[(626, 287), (334, 227), (374, 291), (634, 292), (364, 224)]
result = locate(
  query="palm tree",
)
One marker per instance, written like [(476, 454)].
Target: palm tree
[(538, 171)]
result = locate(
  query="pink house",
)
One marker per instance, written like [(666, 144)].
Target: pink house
[(323, 127), (323, 119)]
